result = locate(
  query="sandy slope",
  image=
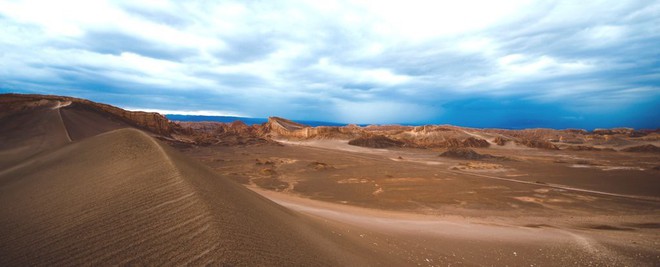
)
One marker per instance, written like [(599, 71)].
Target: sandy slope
[(121, 197), (82, 123), (27, 134)]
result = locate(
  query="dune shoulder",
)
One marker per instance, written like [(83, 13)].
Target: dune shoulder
[(123, 198)]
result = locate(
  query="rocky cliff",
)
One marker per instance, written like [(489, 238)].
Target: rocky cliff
[(282, 128), (150, 121)]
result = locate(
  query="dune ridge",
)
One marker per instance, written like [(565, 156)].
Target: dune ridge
[(123, 198)]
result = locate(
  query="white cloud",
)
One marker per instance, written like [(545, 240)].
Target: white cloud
[(264, 51), (350, 74), (419, 19)]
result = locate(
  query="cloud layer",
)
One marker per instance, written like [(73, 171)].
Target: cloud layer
[(475, 63)]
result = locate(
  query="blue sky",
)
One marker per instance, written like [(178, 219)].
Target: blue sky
[(480, 63)]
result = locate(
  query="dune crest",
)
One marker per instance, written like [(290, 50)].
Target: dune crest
[(123, 198)]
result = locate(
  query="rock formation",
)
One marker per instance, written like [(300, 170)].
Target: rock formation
[(227, 134), (474, 142), (500, 141), (464, 153), (377, 141), (535, 143), (151, 121), (648, 148)]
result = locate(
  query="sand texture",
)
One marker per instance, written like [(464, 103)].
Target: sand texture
[(123, 198), (81, 185)]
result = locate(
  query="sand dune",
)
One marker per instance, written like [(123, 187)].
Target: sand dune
[(82, 123), (27, 134), (123, 198), (82, 186)]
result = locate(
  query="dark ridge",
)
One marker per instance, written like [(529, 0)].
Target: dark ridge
[(377, 141), (464, 153), (643, 148)]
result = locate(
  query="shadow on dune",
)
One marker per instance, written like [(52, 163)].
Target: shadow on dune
[(123, 198)]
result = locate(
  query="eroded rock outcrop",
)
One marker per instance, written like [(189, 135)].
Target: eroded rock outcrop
[(276, 125), (377, 141), (625, 131), (534, 143), (500, 141), (461, 153), (474, 142), (226, 134), (466, 153), (150, 121), (282, 128), (648, 148)]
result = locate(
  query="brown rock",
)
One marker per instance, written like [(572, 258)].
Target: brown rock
[(643, 148), (463, 153), (377, 141), (500, 141), (475, 142), (583, 148), (150, 121), (469, 154), (533, 143)]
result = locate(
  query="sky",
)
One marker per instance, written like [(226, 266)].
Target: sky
[(477, 63)]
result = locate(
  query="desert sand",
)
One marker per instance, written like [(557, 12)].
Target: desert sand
[(479, 215), (81, 185), (121, 197)]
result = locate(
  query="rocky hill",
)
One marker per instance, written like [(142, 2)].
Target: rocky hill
[(12, 104)]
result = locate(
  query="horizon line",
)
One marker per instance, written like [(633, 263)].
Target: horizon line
[(413, 124)]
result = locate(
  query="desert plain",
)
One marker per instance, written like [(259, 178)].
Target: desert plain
[(84, 183)]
